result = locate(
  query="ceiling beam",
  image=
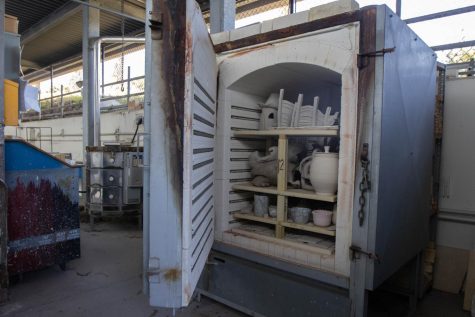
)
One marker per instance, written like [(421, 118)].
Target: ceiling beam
[(30, 64), (56, 17), (131, 10)]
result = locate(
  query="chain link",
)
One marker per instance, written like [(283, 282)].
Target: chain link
[(365, 185)]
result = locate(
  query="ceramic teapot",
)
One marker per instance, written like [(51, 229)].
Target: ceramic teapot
[(321, 171)]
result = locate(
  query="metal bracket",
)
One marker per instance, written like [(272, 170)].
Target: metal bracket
[(363, 59), (156, 21), (357, 251), (153, 271)]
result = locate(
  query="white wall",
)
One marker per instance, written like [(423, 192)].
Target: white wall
[(456, 219), (67, 132)]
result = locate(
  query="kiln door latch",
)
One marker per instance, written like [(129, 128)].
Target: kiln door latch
[(363, 59), (356, 252)]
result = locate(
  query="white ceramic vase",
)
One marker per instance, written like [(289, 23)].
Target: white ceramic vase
[(323, 172)]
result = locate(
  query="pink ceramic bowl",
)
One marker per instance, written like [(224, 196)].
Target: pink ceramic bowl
[(322, 218)]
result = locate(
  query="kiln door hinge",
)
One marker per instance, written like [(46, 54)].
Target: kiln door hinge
[(363, 59), (356, 252)]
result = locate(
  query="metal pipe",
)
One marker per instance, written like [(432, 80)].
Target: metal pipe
[(3, 193), (103, 51), (51, 86), (95, 95), (128, 85), (292, 6), (62, 102), (125, 15), (439, 15), (398, 7), (453, 45), (146, 148)]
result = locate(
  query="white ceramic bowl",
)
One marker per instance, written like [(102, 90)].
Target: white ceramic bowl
[(300, 214), (273, 211), (322, 218)]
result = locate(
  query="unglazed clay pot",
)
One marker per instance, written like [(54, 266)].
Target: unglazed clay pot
[(322, 218), (261, 205), (300, 214), (323, 172)]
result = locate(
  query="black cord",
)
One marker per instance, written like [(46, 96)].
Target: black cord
[(135, 134), (139, 122)]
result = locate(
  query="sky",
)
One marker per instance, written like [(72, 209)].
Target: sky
[(435, 32)]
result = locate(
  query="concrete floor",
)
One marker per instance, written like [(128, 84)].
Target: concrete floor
[(106, 281)]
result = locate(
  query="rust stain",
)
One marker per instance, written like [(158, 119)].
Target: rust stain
[(244, 52), (172, 275), (189, 49), (344, 18), (174, 64)]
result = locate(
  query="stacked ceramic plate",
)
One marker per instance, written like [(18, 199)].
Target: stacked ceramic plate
[(287, 110), (326, 119), (306, 116)]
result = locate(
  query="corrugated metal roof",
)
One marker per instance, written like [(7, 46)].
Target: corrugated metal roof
[(64, 39), (29, 12)]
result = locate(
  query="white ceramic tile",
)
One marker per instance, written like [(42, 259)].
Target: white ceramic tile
[(245, 31), (289, 20), (220, 37), (332, 8)]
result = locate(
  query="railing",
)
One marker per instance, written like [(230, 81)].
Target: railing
[(34, 135), (60, 101)]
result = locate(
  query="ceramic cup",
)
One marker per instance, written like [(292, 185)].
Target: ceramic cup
[(300, 214), (261, 205), (322, 218), (273, 211)]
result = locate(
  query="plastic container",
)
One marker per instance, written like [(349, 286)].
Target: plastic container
[(11, 103)]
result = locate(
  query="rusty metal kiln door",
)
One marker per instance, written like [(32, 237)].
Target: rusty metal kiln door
[(182, 236)]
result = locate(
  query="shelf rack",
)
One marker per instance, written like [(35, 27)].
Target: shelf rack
[(309, 227), (290, 192), (315, 131), (281, 222), (268, 220)]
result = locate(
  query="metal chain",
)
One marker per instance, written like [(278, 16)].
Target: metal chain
[(122, 29), (365, 184)]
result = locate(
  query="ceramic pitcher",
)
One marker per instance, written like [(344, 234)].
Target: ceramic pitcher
[(321, 169)]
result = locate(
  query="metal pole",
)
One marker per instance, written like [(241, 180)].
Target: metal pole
[(222, 15), (3, 187), (292, 6), (91, 31), (51, 86), (95, 81), (61, 102), (40, 137), (102, 70), (398, 7), (128, 85), (146, 147), (439, 15)]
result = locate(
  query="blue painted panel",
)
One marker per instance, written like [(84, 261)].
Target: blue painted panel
[(20, 155)]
